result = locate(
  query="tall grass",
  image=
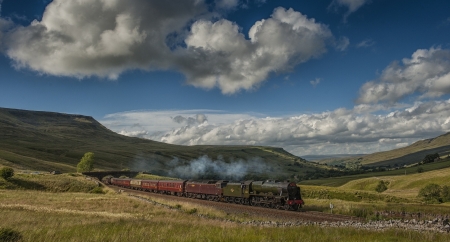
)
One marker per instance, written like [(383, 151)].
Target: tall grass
[(40, 215), (114, 217)]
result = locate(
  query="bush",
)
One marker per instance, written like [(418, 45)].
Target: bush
[(445, 193), (431, 193), (192, 211), (9, 235), (420, 169), (6, 172), (382, 186), (97, 190)]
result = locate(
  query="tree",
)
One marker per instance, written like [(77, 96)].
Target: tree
[(86, 163), (430, 158), (431, 193), (382, 186), (420, 169), (6, 172)]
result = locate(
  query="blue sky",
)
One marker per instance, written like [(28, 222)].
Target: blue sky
[(313, 77)]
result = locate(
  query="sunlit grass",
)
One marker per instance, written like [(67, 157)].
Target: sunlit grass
[(40, 215), (117, 217)]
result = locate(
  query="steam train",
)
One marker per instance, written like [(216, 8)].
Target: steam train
[(270, 194)]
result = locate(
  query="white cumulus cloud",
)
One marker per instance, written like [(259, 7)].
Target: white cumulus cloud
[(342, 131), (427, 72), (234, 63), (105, 38)]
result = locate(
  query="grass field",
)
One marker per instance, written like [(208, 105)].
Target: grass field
[(43, 213), (339, 181), (356, 195), (43, 216)]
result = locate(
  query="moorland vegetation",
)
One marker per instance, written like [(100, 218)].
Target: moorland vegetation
[(45, 207)]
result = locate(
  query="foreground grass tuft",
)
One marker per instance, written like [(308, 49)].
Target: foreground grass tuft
[(9, 235)]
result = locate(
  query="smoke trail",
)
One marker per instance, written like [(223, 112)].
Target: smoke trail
[(206, 168)]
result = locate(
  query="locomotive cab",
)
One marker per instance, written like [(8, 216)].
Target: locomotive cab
[(294, 196)]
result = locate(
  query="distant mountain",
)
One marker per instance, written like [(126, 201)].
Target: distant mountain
[(36, 140), (398, 157)]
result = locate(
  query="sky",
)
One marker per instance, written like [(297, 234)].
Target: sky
[(315, 77)]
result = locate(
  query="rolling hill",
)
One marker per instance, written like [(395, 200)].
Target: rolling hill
[(45, 141), (398, 157)]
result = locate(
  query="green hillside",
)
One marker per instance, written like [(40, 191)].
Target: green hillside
[(398, 157), (407, 186), (45, 141), (339, 181)]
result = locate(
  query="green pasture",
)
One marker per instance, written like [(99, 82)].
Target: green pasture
[(339, 181)]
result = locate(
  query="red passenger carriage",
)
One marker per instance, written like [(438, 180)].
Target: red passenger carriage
[(149, 185), (174, 187), (211, 190), (121, 182)]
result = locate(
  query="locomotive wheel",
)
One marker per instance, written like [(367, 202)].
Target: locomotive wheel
[(295, 207), (286, 207)]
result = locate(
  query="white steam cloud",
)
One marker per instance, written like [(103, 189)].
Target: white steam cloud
[(203, 167), (207, 168)]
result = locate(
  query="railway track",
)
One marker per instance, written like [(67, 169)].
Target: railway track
[(231, 208)]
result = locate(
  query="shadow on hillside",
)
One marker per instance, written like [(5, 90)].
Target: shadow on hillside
[(26, 184)]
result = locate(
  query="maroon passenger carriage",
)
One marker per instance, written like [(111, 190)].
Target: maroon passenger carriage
[(149, 185), (121, 182), (211, 190), (172, 187)]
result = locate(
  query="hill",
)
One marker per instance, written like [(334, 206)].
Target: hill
[(398, 157), (341, 180), (45, 141)]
